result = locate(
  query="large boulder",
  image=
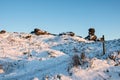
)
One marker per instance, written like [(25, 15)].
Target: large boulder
[(91, 35)]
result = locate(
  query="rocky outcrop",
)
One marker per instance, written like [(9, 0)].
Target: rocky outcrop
[(39, 32)]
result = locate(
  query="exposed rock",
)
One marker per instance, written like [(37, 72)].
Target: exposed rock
[(2, 31), (67, 33), (39, 32)]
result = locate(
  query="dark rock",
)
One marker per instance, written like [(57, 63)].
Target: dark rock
[(2, 31), (39, 32), (67, 33)]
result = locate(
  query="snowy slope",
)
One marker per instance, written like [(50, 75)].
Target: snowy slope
[(49, 57)]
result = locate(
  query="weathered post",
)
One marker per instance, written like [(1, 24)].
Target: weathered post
[(103, 44)]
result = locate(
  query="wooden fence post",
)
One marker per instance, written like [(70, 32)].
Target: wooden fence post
[(103, 44)]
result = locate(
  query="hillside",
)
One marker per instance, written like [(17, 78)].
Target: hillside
[(50, 57)]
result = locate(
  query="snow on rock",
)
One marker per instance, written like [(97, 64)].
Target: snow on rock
[(49, 57)]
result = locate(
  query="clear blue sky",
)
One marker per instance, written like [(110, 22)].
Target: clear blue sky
[(57, 16)]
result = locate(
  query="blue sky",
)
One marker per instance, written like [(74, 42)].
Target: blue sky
[(58, 16)]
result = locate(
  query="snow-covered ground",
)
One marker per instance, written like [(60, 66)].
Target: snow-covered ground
[(49, 57)]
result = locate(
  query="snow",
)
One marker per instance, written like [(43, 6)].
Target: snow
[(49, 57)]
